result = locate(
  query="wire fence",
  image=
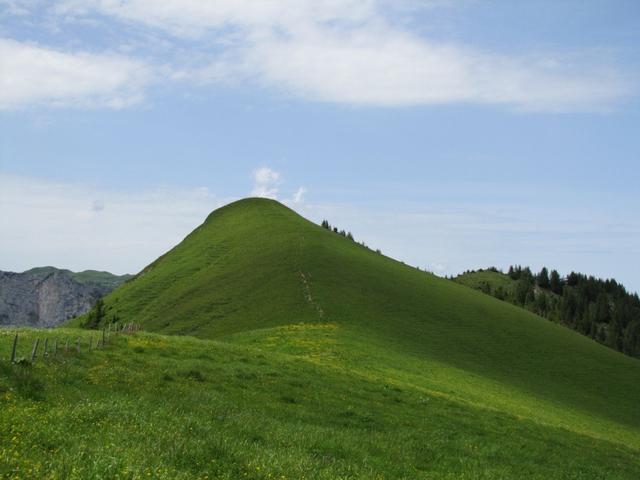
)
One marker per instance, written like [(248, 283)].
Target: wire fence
[(45, 349)]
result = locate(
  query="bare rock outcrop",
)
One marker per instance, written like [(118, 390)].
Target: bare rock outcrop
[(47, 297)]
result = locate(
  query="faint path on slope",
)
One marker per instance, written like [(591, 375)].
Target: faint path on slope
[(307, 294)]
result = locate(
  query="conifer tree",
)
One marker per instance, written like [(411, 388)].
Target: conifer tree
[(543, 278), (555, 283), (95, 315)]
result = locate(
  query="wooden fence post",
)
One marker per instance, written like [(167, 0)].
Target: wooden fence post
[(35, 350), (46, 348), (13, 349), (55, 347), (104, 334)]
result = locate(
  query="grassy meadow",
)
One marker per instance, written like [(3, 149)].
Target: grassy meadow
[(283, 403), (274, 348)]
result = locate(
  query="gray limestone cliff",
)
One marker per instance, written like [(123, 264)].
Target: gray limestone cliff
[(47, 296)]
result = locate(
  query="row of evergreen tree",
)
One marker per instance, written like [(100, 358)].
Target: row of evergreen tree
[(327, 225), (344, 233), (601, 309)]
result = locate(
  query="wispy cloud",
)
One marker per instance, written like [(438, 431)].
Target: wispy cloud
[(90, 227), (34, 75), (350, 52), (192, 18), (381, 66), (298, 196), (16, 7), (265, 183)]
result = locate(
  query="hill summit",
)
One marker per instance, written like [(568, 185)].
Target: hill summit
[(255, 272)]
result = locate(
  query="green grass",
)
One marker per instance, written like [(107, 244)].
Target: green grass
[(288, 406), (317, 358)]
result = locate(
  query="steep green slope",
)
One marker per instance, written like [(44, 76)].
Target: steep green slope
[(170, 407), (255, 272)]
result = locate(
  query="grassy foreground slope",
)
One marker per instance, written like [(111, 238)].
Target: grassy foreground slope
[(318, 358), (171, 407)]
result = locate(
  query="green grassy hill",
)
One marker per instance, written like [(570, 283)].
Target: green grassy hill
[(319, 358)]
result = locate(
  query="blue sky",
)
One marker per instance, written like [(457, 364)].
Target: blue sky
[(450, 134)]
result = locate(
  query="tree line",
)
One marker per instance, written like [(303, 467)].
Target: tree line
[(325, 224), (601, 309)]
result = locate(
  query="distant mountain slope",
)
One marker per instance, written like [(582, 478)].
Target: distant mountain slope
[(255, 271), (47, 296), (600, 309)]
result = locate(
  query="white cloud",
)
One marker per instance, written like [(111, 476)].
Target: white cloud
[(265, 183), (349, 51), (195, 17), (378, 65), (62, 224), (298, 196), (16, 7), (33, 75)]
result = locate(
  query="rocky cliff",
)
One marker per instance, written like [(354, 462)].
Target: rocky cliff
[(47, 296)]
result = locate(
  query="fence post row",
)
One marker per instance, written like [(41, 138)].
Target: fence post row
[(35, 349), (100, 342)]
